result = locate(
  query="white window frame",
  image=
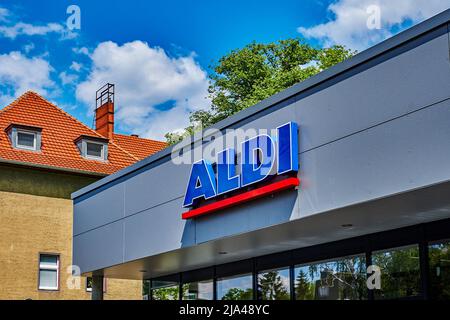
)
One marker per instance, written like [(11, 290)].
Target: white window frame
[(102, 157), (21, 146), (50, 267)]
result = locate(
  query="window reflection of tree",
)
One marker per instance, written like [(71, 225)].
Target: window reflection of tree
[(271, 286), (341, 279), (400, 272), (439, 260)]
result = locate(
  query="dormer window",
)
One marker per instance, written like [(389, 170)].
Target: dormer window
[(25, 138), (93, 148)]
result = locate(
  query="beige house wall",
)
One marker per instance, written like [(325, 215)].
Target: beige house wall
[(33, 224)]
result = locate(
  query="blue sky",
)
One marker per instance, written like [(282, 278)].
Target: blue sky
[(158, 53)]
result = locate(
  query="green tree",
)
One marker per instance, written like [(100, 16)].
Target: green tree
[(271, 287), (246, 76)]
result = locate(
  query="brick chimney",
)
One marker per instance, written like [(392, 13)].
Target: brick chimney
[(104, 112)]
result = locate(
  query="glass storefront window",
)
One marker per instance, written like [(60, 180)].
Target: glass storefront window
[(201, 290), (235, 288), (342, 278), (274, 284), (165, 290), (400, 272), (338, 279), (439, 260)]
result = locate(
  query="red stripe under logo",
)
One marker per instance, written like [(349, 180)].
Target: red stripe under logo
[(243, 197)]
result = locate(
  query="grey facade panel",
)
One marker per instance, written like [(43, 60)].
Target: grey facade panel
[(404, 154), (99, 248), (104, 208), (154, 187), (279, 208), (156, 230)]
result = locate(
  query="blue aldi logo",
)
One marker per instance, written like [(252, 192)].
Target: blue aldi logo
[(260, 157)]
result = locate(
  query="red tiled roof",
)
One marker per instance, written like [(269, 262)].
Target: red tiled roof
[(139, 147), (59, 132)]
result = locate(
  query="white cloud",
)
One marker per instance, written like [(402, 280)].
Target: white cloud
[(75, 66), (4, 13), (19, 73), (11, 28), (145, 78), (28, 47), (67, 78), (28, 29), (82, 50), (349, 23)]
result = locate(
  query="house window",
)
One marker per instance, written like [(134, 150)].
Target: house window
[(93, 150), (48, 272)]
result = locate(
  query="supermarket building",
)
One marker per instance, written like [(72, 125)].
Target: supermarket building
[(358, 175)]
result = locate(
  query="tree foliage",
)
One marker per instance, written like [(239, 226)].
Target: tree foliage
[(246, 76)]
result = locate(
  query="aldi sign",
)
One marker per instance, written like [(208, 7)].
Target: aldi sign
[(260, 157)]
